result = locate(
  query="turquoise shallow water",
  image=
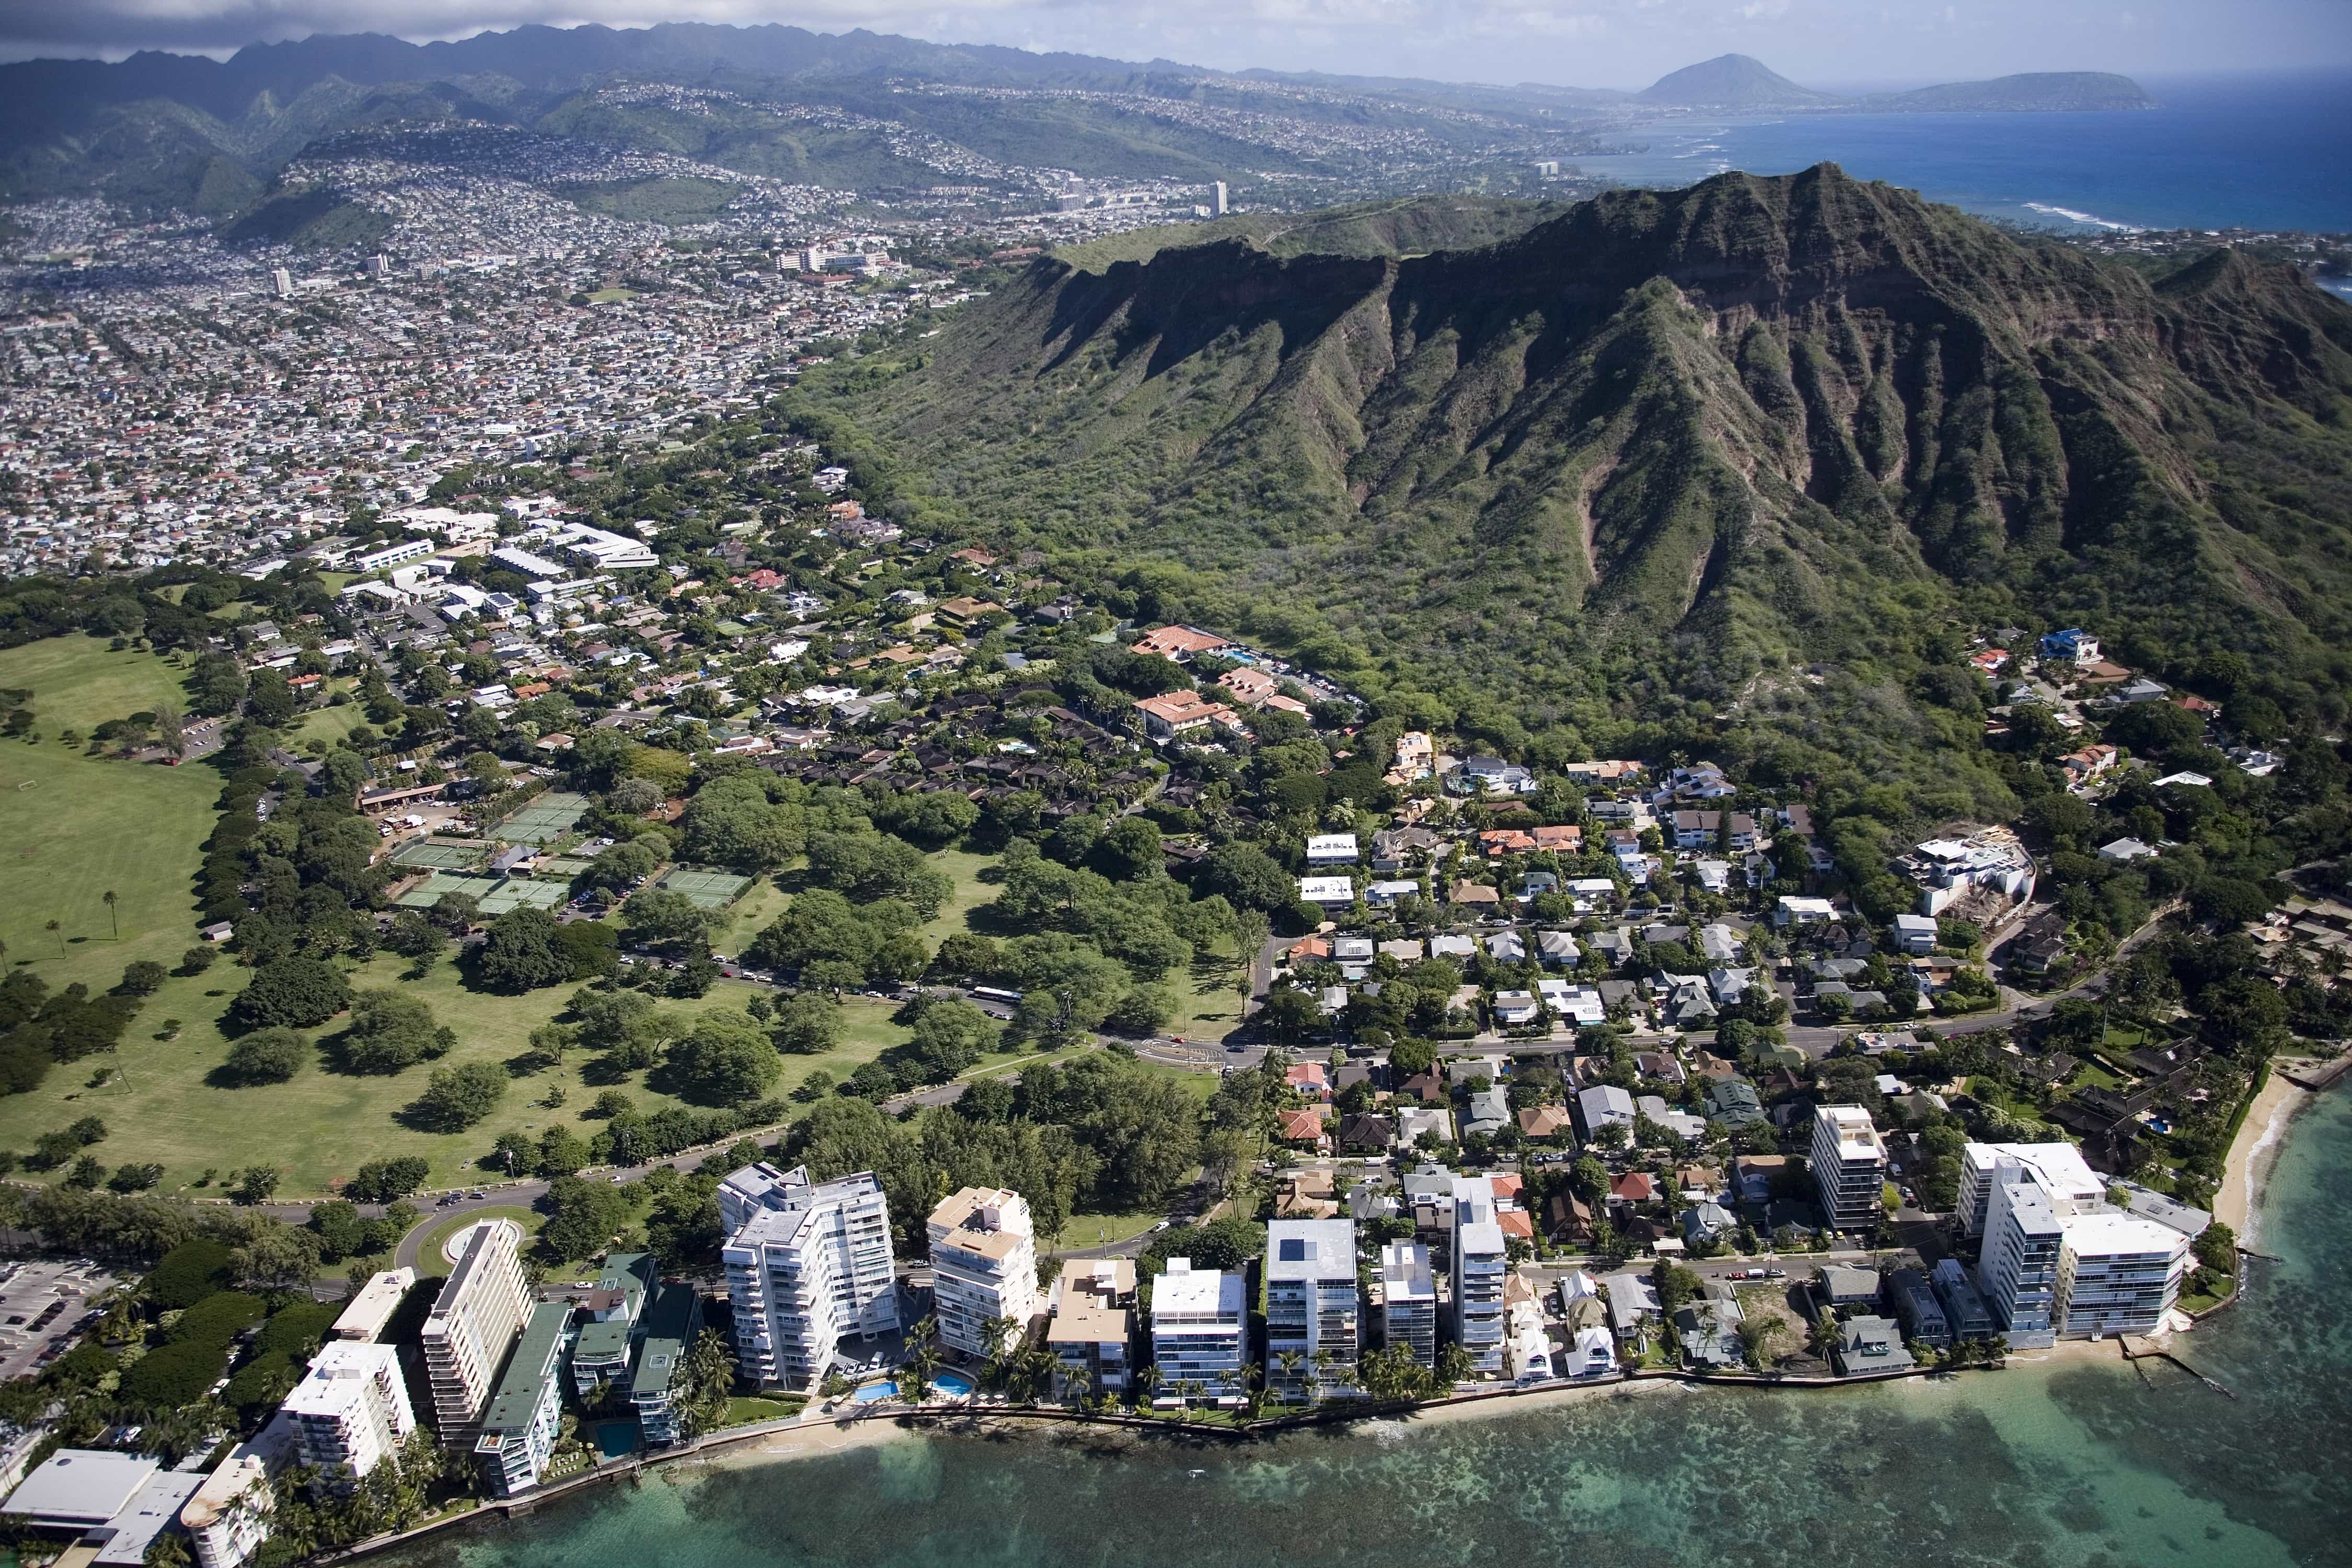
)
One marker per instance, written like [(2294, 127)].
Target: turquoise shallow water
[(2079, 1463)]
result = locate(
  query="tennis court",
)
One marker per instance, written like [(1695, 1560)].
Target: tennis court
[(544, 820), (441, 884), (492, 895), (516, 893), (709, 890), (443, 857)]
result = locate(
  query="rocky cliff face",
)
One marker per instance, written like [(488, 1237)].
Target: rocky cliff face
[(1705, 434)]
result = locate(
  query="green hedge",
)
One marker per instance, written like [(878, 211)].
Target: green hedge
[(188, 1273)]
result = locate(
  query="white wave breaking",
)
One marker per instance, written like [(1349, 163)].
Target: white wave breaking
[(2071, 216)]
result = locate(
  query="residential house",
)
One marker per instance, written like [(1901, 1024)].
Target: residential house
[(1869, 1344)]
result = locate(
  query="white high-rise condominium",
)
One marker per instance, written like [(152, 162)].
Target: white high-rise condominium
[(807, 1263), (1480, 1266), (1314, 1311), (1220, 200), (474, 1321), (985, 1260), (350, 1413), (1849, 1167), (1198, 1323), (1409, 1300), (2058, 1259)]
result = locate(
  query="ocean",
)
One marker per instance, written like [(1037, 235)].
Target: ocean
[(2262, 152), (2081, 1462)]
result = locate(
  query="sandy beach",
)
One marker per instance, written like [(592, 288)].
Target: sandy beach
[(2252, 1153)]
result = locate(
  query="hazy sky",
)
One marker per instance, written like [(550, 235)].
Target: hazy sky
[(1596, 42)]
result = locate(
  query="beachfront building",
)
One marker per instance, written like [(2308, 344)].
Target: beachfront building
[(984, 1266), (608, 1328), (1849, 1164), (1314, 1313), (2058, 1259), (369, 1312), (1198, 1324), (229, 1516), (807, 1264), (350, 1413), (1409, 1300), (474, 1323), (518, 1432), (671, 1321), (1481, 1264), (1093, 1324)]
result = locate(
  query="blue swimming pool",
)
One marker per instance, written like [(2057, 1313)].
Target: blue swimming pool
[(868, 1393), (954, 1384)]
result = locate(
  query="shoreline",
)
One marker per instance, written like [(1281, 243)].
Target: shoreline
[(2254, 1152)]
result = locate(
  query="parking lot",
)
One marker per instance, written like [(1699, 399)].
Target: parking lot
[(42, 1305)]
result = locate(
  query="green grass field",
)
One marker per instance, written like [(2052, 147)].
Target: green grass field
[(321, 1126), (75, 827)]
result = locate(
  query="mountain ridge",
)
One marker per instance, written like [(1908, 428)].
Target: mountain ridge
[(1652, 456)]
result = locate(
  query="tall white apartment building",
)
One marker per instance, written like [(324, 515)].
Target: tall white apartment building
[(1198, 1323), (1849, 1164), (2058, 1259), (807, 1262), (984, 1263), (350, 1413), (1314, 1310), (1481, 1265), (474, 1321), (1409, 1300)]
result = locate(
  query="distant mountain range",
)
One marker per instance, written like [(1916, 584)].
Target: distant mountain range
[(176, 131), (1651, 456)]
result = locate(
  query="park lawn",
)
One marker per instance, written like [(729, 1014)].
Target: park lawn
[(744, 1410), (1087, 1230), (1198, 1085), (969, 894), (318, 1127), (747, 916), (1209, 1006), (328, 723), (77, 826)]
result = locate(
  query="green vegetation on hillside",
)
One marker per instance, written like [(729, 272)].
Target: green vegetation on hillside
[(1728, 471)]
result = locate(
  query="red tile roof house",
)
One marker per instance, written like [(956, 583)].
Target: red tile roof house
[(1633, 1188), (1179, 643), (1303, 1125), (1308, 1078)]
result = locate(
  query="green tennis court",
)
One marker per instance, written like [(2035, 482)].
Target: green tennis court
[(544, 820), (709, 889), (516, 893), (442, 856), (441, 884)]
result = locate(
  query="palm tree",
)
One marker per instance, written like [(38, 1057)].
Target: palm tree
[(1075, 1380), (1148, 1381), (57, 929), (112, 915), (1290, 1362)]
